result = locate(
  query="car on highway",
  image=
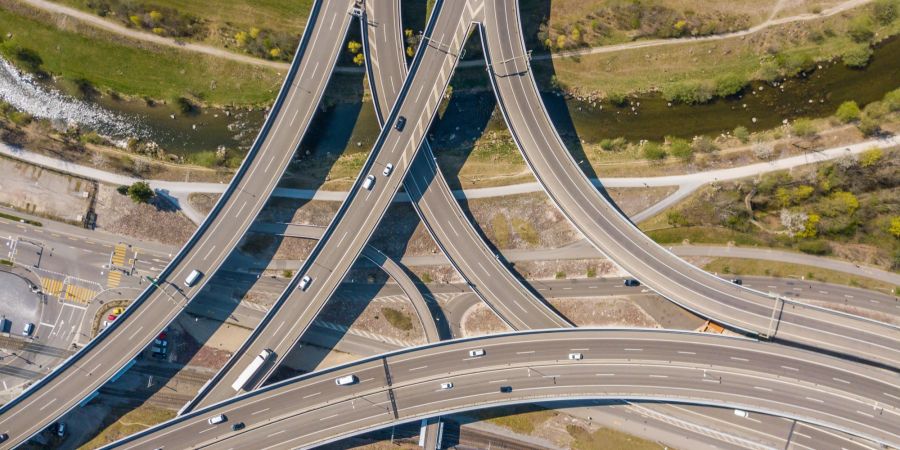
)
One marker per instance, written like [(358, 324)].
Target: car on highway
[(737, 281), (387, 169), (476, 353), (506, 389), (192, 278), (369, 182), (345, 380), (4, 437), (447, 385), (741, 413), (401, 123), (304, 282), (576, 356), (217, 419), (631, 282), (29, 328), (238, 426)]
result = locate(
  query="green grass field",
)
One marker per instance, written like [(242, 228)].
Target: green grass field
[(136, 71)]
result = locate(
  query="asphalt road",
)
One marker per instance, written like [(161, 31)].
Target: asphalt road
[(225, 226), (663, 365), (356, 220), (614, 235)]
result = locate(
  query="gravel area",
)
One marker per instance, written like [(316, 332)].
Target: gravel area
[(203, 203), (158, 220), (45, 192), (603, 312), (567, 269), (480, 320), (369, 317)]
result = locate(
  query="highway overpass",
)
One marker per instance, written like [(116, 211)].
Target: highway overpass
[(652, 365), (83, 373)]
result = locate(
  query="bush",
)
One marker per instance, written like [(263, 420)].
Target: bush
[(860, 29), (140, 192), (870, 157), (690, 92), (397, 319), (560, 275), (28, 59), (869, 126), (815, 247), (287, 273), (616, 144), (184, 105), (123, 190), (803, 127), (858, 56), (892, 100), (742, 133), (653, 151), (885, 11), (730, 84), (848, 111), (704, 144), (592, 272), (681, 149)]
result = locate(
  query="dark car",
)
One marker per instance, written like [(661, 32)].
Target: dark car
[(4, 437), (401, 122), (506, 389), (237, 426), (631, 282), (737, 281)]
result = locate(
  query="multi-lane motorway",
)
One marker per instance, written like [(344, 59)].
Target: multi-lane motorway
[(635, 364), (613, 234), (355, 222), (87, 370)]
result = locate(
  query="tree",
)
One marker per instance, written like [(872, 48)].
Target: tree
[(858, 56), (861, 29), (729, 84), (742, 133), (811, 228), (140, 192), (763, 150), (359, 59), (840, 203), (885, 11), (241, 37), (848, 111), (354, 47)]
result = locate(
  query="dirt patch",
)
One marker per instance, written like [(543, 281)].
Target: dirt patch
[(370, 317), (635, 200), (869, 314), (44, 192), (158, 220), (603, 312), (203, 203), (521, 221), (567, 269), (479, 320)]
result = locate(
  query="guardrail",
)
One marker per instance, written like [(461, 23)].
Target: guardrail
[(186, 249)]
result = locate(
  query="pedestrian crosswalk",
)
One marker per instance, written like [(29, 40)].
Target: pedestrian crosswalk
[(79, 294), (113, 279), (118, 255), (51, 286)]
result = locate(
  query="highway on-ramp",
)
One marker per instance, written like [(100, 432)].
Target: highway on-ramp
[(86, 371), (613, 234), (617, 364), (356, 220)]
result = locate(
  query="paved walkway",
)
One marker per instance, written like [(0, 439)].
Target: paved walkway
[(690, 181)]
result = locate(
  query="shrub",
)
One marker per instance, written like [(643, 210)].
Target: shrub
[(860, 29), (140, 192), (742, 133), (803, 127), (616, 144), (704, 144), (815, 247), (857, 56), (426, 277), (869, 126), (653, 151), (592, 270), (885, 11), (892, 100), (894, 229), (560, 275), (870, 157), (848, 111), (729, 84), (287, 273), (681, 149), (690, 92), (397, 319), (184, 105), (28, 59), (123, 190)]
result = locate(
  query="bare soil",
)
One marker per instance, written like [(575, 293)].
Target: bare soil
[(567, 269), (604, 312), (479, 320), (158, 220), (44, 192), (369, 317), (203, 202)]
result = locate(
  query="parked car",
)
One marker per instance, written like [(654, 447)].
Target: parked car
[(111, 317), (118, 311), (29, 328), (61, 429)]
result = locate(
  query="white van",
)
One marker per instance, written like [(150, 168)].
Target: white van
[(216, 419), (304, 282), (741, 413), (476, 353), (345, 380), (192, 278), (369, 182), (576, 356)]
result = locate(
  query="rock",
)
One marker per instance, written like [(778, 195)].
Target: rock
[(753, 119)]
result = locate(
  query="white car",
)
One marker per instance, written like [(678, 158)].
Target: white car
[(476, 353), (447, 385), (304, 282), (345, 380), (576, 356), (369, 182), (387, 169), (216, 419), (741, 413)]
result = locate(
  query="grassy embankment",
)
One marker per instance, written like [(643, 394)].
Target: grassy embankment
[(133, 421)]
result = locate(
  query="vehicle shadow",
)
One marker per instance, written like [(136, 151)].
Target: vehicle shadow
[(167, 383)]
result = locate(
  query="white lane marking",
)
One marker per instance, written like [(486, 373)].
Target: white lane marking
[(525, 353), (815, 400), (605, 374), (209, 252), (417, 368), (865, 414), (47, 404), (208, 429), (762, 388), (658, 376), (735, 358), (892, 396), (260, 411), (682, 352), (293, 118), (839, 380), (136, 332), (324, 418), (311, 395), (790, 368), (634, 349), (284, 431), (498, 381)]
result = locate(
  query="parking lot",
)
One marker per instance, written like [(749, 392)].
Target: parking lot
[(18, 305)]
